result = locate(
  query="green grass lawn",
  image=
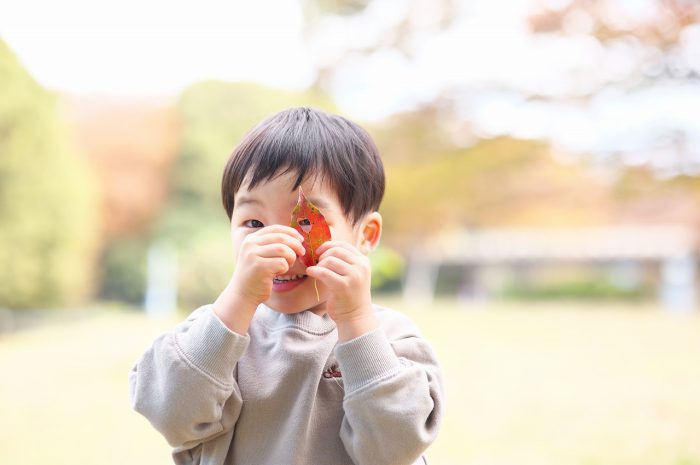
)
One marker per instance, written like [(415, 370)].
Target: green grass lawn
[(526, 384)]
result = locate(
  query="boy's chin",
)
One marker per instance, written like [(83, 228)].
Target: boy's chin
[(287, 307)]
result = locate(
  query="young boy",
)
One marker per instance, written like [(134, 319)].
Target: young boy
[(270, 373)]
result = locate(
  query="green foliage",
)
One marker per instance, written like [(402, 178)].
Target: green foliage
[(582, 289), (387, 268), (434, 182), (687, 461), (205, 265), (429, 189), (47, 198), (314, 10), (124, 270)]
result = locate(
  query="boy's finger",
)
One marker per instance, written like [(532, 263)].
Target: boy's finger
[(277, 265), (278, 250), (281, 238), (332, 244), (346, 255), (328, 277), (336, 265), (280, 228)]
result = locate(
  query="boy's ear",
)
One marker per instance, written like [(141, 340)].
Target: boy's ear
[(370, 232)]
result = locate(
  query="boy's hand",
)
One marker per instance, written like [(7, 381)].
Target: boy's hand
[(263, 254), (346, 274)]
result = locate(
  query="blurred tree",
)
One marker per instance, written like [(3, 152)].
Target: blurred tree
[(387, 268), (124, 269), (640, 197), (48, 213), (652, 34), (389, 26), (435, 184), (131, 144), (654, 31), (589, 58), (316, 9)]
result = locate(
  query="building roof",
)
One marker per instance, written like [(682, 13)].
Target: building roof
[(630, 242)]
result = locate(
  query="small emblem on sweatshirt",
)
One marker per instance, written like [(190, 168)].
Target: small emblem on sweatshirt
[(332, 372)]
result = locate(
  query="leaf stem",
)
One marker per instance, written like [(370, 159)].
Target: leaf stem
[(313, 260)]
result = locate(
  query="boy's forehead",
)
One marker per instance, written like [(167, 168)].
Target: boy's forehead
[(316, 189)]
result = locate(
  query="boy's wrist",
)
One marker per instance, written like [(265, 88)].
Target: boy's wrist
[(234, 309), (351, 326)]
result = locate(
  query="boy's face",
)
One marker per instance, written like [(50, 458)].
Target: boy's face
[(271, 203)]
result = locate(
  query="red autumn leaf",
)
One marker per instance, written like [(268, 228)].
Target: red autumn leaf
[(308, 220)]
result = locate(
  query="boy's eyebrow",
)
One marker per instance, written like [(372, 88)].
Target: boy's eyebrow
[(242, 200), (320, 203)]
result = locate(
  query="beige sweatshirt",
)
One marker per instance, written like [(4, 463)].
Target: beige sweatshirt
[(288, 394)]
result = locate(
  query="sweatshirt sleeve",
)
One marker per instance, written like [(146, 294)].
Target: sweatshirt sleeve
[(184, 383), (393, 397)]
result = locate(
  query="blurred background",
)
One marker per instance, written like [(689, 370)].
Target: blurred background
[(541, 212)]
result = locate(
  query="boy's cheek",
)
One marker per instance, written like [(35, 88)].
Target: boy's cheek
[(342, 234), (238, 235)]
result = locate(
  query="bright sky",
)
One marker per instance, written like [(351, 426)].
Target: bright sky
[(489, 55), (155, 46)]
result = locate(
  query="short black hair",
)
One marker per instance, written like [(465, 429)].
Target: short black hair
[(309, 143)]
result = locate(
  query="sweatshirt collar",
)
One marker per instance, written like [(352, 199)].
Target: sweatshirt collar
[(306, 321)]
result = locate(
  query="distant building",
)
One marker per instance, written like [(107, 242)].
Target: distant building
[(623, 251)]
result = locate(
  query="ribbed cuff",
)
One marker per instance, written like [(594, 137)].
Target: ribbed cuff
[(211, 346), (365, 359)]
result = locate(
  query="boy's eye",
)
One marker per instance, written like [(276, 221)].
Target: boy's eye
[(253, 224), (305, 224)]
